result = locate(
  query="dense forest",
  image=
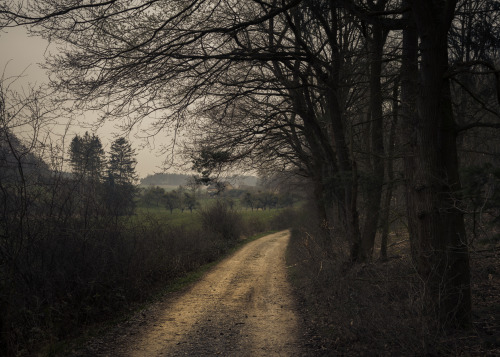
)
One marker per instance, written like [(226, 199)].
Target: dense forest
[(386, 113)]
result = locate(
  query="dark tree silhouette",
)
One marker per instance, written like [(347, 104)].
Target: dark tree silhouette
[(121, 178), (87, 157)]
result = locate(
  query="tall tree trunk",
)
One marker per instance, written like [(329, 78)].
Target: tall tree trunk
[(347, 177), (377, 145), (347, 170), (390, 176), (319, 198), (438, 242)]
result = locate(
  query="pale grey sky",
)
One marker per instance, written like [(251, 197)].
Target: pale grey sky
[(21, 55)]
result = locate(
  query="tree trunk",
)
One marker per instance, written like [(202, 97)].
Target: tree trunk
[(437, 233), (348, 180), (390, 176), (346, 173), (319, 196), (377, 146)]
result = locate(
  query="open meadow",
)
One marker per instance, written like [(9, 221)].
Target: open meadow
[(193, 220)]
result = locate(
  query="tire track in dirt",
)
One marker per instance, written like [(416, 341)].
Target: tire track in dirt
[(242, 307)]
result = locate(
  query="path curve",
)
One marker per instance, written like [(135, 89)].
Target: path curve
[(242, 307)]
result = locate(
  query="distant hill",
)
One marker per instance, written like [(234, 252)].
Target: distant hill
[(15, 157), (243, 181), (165, 179)]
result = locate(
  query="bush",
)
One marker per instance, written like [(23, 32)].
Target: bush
[(255, 225), (287, 218), (219, 220)]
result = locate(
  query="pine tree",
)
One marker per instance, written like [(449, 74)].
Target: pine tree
[(75, 151), (122, 162), (87, 157), (121, 178)]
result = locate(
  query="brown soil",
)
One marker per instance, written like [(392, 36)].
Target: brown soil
[(243, 307)]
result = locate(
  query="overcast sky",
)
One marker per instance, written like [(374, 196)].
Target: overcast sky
[(21, 54)]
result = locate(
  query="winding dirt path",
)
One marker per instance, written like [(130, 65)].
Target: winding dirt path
[(242, 307)]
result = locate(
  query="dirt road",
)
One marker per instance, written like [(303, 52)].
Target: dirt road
[(242, 307)]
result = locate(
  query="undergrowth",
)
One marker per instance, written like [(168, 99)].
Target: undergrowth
[(375, 308)]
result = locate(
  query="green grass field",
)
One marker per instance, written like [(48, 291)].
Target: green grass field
[(190, 220), (175, 219)]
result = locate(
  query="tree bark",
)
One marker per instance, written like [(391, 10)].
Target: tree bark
[(347, 170), (437, 233), (377, 146), (347, 177), (390, 176)]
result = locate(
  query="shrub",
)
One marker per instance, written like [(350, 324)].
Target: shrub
[(285, 219), (255, 225), (219, 220)]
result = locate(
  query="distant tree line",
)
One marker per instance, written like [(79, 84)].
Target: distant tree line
[(267, 200), (184, 198), (168, 179), (180, 198)]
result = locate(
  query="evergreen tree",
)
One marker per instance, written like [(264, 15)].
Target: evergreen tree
[(87, 157), (122, 162), (121, 178), (75, 152)]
